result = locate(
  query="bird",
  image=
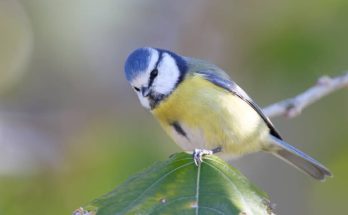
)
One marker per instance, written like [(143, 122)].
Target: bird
[(205, 112)]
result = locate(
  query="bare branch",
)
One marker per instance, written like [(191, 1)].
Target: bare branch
[(293, 106)]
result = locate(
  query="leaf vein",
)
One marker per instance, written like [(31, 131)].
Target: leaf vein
[(197, 187), (153, 184), (235, 187), (213, 209)]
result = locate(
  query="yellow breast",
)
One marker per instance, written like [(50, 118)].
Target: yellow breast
[(211, 117)]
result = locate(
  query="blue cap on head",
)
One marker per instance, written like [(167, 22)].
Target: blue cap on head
[(136, 62)]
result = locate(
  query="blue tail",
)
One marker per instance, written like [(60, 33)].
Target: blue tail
[(299, 159)]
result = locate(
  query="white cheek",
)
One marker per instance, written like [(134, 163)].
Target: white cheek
[(168, 75), (144, 101)]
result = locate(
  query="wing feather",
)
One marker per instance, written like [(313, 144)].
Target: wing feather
[(232, 87)]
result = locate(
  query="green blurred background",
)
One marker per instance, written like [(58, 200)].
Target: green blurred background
[(71, 129)]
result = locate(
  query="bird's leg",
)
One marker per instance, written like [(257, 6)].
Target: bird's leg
[(199, 153)]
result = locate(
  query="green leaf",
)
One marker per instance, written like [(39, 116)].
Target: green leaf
[(178, 186)]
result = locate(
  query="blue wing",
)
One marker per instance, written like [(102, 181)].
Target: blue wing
[(232, 87)]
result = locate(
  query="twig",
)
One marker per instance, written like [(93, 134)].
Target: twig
[(293, 106)]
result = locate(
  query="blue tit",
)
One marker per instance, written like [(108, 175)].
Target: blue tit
[(204, 111)]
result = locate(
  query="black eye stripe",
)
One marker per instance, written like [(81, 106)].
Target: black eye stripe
[(136, 89), (154, 73), (159, 58)]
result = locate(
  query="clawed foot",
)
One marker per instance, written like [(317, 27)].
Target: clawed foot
[(198, 155)]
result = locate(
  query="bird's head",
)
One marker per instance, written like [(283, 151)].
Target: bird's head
[(154, 74)]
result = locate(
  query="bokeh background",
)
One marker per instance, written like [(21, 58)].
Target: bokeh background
[(71, 129)]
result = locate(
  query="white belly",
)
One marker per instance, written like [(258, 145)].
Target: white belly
[(194, 138)]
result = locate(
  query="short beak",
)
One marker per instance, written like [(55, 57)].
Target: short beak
[(145, 91)]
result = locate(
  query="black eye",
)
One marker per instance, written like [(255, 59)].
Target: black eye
[(153, 74), (136, 89)]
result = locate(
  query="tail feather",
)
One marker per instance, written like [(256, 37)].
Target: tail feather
[(299, 159)]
